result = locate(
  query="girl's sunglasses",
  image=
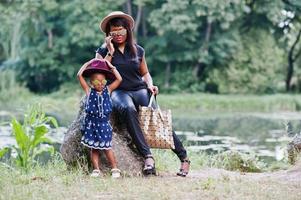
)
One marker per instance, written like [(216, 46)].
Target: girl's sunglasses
[(97, 82), (117, 33)]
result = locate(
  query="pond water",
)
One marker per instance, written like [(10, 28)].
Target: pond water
[(262, 134), (266, 135)]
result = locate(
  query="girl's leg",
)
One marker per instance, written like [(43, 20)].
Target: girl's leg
[(111, 158), (95, 158)]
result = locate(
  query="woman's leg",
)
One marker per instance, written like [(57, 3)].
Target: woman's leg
[(182, 155), (123, 102), (111, 158), (127, 103), (179, 150), (95, 158)]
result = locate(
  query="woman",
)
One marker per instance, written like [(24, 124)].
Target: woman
[(129, 59)]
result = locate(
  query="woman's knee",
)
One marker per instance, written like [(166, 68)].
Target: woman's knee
[(125, 109)]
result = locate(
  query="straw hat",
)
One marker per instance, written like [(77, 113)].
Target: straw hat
[(99, 66), (116, 14)]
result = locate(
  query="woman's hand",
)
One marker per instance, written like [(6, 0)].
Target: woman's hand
[(154, 89), (110, 46)]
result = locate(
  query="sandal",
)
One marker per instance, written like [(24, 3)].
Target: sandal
[(149, 166), (115, 173), (95, 173), (185, 165)]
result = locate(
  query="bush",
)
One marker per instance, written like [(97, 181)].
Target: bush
[(234, 160)]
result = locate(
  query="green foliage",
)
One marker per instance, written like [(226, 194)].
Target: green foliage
[(234, 160), (30, 135), (229, 46), (53, 39), (254, 69)]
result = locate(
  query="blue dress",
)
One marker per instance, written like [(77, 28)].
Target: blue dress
[(97, 131)]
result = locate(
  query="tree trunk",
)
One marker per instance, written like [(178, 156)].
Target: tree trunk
[(167, 75), (50, 38), (291, 59), (75, 154), (129, 7), (197, 71), (290, 71), (15, 40), (144, 27), (137, 20)]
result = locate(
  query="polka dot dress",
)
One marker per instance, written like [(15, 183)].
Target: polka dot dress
[(97, 131)]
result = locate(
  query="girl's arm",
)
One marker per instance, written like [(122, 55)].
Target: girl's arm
[(147, 77), (81, 79), (118, 79)]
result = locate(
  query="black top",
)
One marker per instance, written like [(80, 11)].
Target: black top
[(127, 66)]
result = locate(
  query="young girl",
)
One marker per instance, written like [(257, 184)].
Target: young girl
[(97, 133)]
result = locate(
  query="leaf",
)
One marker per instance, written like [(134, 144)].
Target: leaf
[(39, 132), (53, 121), (49, 149), (3, 151), (19, 133), (46, 140)]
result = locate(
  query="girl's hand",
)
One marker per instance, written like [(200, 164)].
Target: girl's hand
[(110, 46), (154, 89), (110, 65), (90, 61), (84, 66)]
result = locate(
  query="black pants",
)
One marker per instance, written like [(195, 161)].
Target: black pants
[(127, 103)]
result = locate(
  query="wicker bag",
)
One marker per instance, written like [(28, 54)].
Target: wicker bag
[(156, 126)]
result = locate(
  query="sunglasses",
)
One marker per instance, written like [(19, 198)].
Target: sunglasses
[(117, 33), (97, 82)]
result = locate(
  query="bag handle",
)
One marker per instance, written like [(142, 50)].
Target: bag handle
[(151, 101), (158, 107)]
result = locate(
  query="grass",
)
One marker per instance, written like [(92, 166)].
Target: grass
[(200, 105), (63, 104), (54, 181)]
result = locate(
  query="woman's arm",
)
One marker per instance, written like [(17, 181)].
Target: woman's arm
[(107, 57), (118, 79), (147, 77), (110, 48), (81, 79)]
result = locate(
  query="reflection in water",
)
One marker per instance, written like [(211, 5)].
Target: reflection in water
[(213, 144)]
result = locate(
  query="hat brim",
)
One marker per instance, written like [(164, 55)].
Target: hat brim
[(104, 22), (108, 74)]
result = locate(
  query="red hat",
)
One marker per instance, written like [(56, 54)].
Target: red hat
[(99, 66)]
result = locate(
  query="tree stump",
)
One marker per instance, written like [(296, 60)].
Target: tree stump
[(76, 154)]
